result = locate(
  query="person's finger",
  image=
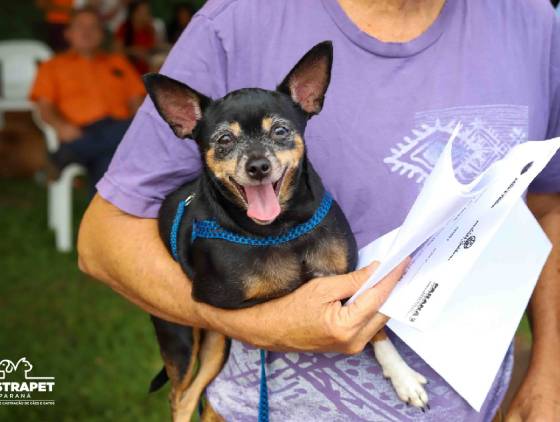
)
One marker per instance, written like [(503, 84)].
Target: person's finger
[(376, 323), (369, 303), (344, 286)]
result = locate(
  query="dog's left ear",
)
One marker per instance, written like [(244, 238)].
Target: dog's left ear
[(179, 105), (308, 81)]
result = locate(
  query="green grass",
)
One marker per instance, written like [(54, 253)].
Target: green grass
[(101, 349), (524, 330)]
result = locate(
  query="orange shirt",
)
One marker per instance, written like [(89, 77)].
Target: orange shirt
[(59, 11), (88, 89)]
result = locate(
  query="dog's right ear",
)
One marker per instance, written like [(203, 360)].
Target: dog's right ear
[(308, 81), (179, 105)]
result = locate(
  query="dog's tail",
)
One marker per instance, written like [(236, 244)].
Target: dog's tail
[(159, 380)]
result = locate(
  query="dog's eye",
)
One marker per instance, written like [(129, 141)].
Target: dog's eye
[(225, 140), (279, 132)]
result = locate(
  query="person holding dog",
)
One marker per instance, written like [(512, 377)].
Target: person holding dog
[(404, 73), (88, 96)]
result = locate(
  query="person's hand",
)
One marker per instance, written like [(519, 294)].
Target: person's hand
[(538, 398), (68, 132), (312, 318)]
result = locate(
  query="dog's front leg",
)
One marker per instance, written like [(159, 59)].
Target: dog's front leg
[(406, 381)]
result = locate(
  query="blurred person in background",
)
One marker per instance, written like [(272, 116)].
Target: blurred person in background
[(88, 96), (57, 16), (138, 37), (182, 14)]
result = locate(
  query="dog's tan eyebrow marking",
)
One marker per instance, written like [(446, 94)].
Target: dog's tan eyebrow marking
[(235, 128), (291, 156), (266, 124)]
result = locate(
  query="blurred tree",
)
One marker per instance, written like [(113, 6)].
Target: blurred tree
[(20, 19), (164, 8)]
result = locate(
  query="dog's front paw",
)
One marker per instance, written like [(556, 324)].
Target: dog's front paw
[(408, 384), (406, 381)]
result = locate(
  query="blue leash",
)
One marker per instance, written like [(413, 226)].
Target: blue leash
[(210, 229), (263, 392)]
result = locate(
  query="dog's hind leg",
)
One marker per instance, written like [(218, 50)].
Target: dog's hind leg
[(406, 381), (179, 347), (211, 358)]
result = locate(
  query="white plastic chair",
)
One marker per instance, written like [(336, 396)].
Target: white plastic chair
[(59, 206), (18, 66)]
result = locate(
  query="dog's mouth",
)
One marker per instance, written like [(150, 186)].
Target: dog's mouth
[(263, 200)]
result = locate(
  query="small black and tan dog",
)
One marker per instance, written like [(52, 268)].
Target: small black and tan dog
[(257, 223)]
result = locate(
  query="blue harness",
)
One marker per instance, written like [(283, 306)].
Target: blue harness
[(210, 229)]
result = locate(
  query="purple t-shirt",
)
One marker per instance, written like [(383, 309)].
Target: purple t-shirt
[(390, 108)]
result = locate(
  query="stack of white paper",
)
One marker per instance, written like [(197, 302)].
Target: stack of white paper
[(477, 253)]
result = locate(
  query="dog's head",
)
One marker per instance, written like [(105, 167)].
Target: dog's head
[(251, 140)]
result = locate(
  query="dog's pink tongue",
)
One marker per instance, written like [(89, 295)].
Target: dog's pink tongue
[(263, 203)]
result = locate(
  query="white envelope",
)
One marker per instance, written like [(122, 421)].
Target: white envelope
[(468, 341)]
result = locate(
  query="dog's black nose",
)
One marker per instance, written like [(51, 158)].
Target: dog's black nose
[(258, 168)]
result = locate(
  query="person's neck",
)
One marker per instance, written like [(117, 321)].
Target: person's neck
[(393, 20), (86, 54)]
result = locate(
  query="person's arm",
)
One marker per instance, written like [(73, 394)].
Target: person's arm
[(538, 398), (65, 130), (126, 253)]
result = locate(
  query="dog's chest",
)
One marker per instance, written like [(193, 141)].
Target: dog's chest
[(255, 274), (282, 271)]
